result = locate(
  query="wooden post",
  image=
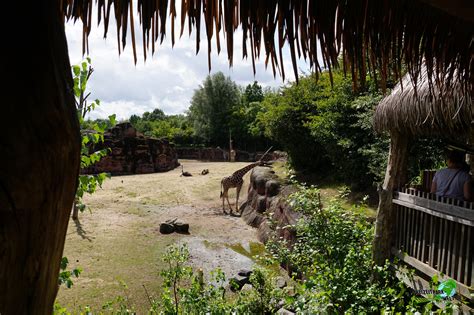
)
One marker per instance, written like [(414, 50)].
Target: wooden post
[(395, 176)]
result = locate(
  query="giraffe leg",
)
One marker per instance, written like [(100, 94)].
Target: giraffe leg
[(225, 196), (239, 186), (228, 202), (223, 206)]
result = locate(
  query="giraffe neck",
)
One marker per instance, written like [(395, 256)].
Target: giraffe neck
[(240, 173)]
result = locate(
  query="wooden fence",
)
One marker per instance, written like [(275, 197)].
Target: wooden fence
[(435, 236)]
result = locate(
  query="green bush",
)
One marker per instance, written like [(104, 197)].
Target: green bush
[(332, 259), (327, 129), (186, 292)]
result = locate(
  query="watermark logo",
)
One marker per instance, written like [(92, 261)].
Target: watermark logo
[(445, 290)]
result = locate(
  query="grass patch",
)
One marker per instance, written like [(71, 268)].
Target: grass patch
[(348, 200), (131, 194), (135, 211), (210, 245), (118, 189), (133, 258), (149, 201), (281, 170)]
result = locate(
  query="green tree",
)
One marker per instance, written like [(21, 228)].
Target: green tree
[(253, 93), (211, 108), (327, 128), (285, 119), (156, 114), (246, 131), (176, 128)]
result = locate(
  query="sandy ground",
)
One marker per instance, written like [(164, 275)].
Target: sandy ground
[(118, 244)]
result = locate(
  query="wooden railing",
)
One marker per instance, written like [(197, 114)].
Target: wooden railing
[(435, 236)]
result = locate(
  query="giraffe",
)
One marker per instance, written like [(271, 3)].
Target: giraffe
[(235, 181)]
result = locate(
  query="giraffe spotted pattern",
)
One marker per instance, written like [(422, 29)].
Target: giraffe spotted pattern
[(235, 181)]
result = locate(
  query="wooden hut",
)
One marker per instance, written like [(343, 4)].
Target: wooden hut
[(431, 234), (40, 140)]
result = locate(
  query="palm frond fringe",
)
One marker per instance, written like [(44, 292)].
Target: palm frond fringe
[(371, 35), (430, 110)]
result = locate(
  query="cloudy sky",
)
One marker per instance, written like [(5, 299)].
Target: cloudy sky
[(167, 80)]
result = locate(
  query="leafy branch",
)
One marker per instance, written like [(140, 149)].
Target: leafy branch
[(91, 137)]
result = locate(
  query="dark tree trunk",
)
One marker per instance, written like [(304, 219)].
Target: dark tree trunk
[(395, 176), (39, 156)]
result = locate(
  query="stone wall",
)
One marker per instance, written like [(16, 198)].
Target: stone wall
[(267, 197), (203, 154), (133, 153), (220, 155)]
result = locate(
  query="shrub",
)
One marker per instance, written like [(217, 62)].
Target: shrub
[(332, 255)]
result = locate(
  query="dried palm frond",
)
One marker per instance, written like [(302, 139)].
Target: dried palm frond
[(378, 34), (429, 110)]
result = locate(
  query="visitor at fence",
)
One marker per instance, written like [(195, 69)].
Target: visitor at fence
[(453, 181)]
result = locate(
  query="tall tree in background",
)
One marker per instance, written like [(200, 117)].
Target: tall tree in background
[(156, 114), (211, 108), (245, 130), (253, 93)]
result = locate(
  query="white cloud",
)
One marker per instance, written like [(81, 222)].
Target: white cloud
[(167, 79)]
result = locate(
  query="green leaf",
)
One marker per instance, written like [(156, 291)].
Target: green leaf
[(112, 119), (85, 140), (64, 263), (76, 70), (77, 272)]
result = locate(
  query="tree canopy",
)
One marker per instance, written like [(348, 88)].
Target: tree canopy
[(211, 108)]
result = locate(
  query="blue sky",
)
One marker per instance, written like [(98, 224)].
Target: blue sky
[(166, 80)]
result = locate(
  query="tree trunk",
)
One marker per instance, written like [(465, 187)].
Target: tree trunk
[(395, 176), (39, 156)]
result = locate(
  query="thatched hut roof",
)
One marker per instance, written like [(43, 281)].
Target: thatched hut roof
[(380, 34), (447, 111)]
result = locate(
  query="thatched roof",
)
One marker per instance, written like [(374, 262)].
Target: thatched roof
[(380, 34), (447, 111)]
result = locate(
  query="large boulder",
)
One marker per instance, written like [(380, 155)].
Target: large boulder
[(133, 153), (266, 201)]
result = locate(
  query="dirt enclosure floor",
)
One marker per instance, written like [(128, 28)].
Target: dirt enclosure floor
[(118, 244)]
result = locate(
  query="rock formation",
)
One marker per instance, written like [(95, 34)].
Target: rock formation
[(267, 200), (133, 153)]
